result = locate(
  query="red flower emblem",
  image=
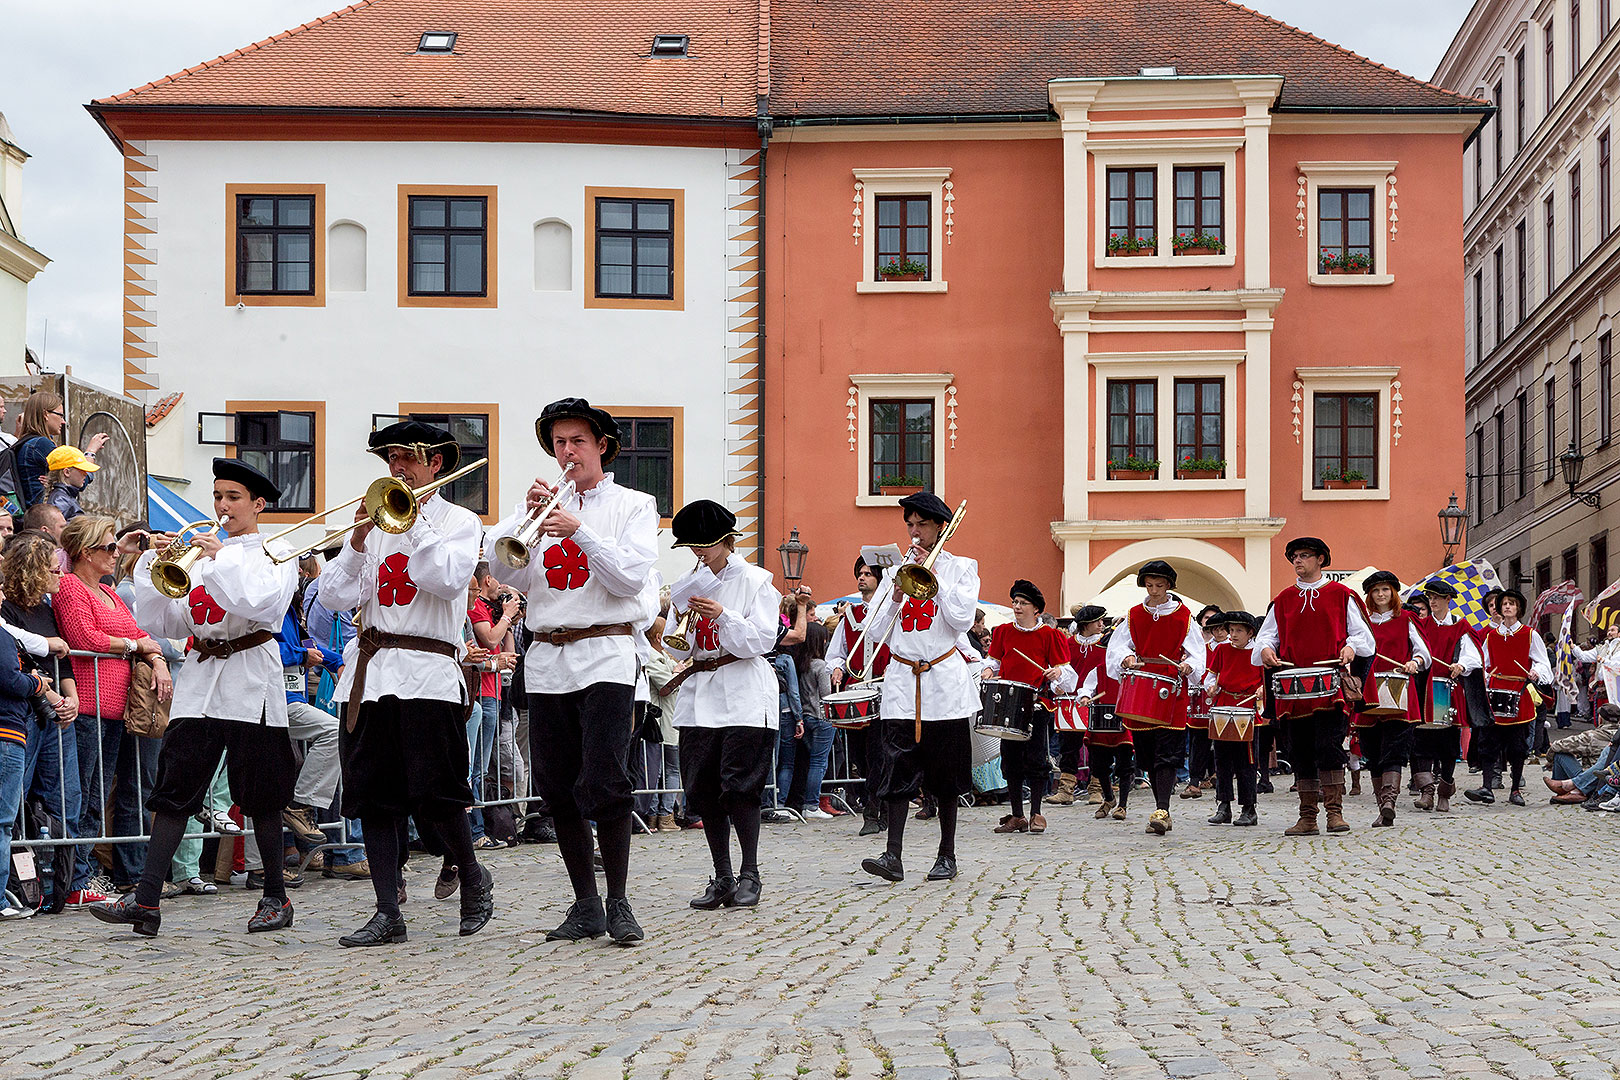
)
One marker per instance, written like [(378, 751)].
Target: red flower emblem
[(566, 565), (708, 634), (917, 614), (204, 611), (394, 584)]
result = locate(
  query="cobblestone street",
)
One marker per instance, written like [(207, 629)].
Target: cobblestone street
[(1469, 945)]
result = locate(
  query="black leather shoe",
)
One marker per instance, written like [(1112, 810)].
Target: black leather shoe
[(944, 868), (1480, 794), (275, 913), (144, 920), (1517, 798), (1222, 815), (885, 866), (477, 902), (621, 924), (1247, 817), (776, 817), (747, 891), (1264, 786), (586, 919), (718, 892), (871, 826), (380, 930), (290, 878), (540, 831)]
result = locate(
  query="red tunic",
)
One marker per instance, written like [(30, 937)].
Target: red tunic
[(857, 612), (1236, 678), (1392, 638), (1444, 642), (1158, 645), (1311, 624), (1508, 667), (1041, 648), (1085, 659)]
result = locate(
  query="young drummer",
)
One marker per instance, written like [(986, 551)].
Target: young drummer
[(846, 648), (1111, 753), (1200, 755), (1025, 651), (1515, 656), (1158, 635), (588, 581), (404, 738), (727, 712), (1310, 623), (230, 698), (928, 692), (1386, 741), (1234, 679), (1435, 751)]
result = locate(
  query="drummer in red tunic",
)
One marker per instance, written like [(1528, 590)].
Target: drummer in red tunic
[(1515, 656), (1024, 651), (1110, 753), (1451, 642), (1158, 636), (1200, 755), (1316, 623), (1386, 739), (1233, 681)]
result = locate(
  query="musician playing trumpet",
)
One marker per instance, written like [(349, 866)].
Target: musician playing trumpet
[(591, 584)]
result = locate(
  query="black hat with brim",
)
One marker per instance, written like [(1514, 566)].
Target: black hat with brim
[(1310, 545), (1240, 618), (927, 505), (236, 471), (1436, 587), (1380, 577), (424, 440), (702, 524), (1028, 591), (575, 408), (1088, 613), (1156, 568), (1514, 594)]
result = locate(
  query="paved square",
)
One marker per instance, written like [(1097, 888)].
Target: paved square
[(1478, 944)]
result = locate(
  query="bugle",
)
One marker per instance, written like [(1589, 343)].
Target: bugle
[(514, 550), (171, 570), (390, 504), (679, 640), (917, 579)]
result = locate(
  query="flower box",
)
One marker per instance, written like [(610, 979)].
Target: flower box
[(1133, 253), (1337, 270), (1198, 251), (903, 277), (1344, 485), (1199, 474), (901, 490), (1133, 474)]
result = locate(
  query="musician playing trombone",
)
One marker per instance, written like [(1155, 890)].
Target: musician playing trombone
[(591, 582), (230, 698), (928, 691)]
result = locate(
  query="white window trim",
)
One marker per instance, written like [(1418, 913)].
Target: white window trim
[(1341, 380), (1321, 174), (914, 386), (1164, 156), (1165, 369), (875, 182)]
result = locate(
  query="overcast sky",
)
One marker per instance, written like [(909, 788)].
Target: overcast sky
[(63, 53)]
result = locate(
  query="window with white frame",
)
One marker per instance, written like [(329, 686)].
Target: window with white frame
[(902, 428), (1347, 443), (903, 223), (1347, 226), (1153, 405), (1165, 200)]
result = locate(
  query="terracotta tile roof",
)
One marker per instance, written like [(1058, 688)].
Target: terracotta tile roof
[(161, 408), (577, 55), (941, 57)]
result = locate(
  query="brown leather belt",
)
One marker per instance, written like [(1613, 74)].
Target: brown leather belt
[(222, 650), (713, 663), (372, 640), (568, 637), (917, 668)]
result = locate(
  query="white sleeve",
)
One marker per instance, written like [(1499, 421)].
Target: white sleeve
[(1468, 655), (837, 651), (1088, 689), (1197, 653), (751, 632), (1120, 646), (27, 639), (349, 580), (958, 598), (1420, 648), (243, 581), (624, 561), (1540, 666), (1067, 679), (1267, 637), (155, 613), (1359, 636), (524, 579)]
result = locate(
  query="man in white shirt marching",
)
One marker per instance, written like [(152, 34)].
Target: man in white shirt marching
[(928, 691), (229, 699), (588, 584), (727, 714), (404, 739)]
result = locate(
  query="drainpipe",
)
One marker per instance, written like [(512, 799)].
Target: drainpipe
[(762, 122)]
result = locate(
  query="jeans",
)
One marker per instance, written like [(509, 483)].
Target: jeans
[(483, 727), (51, 772), (660, 768), (13, 766), (1565, 766), (1596, 777), (788, 722), (129, 805), (98, 772), (819, 735)]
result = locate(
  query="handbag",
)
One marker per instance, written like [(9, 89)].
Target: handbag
[(144, 714)]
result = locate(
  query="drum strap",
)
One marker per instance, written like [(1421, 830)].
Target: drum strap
[(917, 668)]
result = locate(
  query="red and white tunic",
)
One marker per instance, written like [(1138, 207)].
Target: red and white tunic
[(843, 645), (1514, 656), (1089, 657), (1023, 656), (1160, 638), (1396, 637)]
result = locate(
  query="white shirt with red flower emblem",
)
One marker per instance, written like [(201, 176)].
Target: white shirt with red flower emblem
[(928, 630), (743, 693), (414, 582), (232, 594), (597, 577)]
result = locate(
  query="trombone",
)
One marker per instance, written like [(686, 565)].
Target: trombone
[(514, 550), (171, 570), (391, 505), (679, 640), (916, 580)]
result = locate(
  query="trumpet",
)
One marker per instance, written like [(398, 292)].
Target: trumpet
[(679, 640), (514, 550), (391, 505), (171, 570), (917, 579)]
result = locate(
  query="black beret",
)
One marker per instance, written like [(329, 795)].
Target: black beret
[(1241, 618), (1515, 594), (1380, 577), (1208, 609), (236, 471), (424, 440), (1028, 591), (1310, 545), (702, 523), (1436, 587), (927, 505), (575, 408), (1158, 568), (1088, 613)]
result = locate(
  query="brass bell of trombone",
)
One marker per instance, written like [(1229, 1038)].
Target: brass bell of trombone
[(918, 579), (171, 570), (679, 640)]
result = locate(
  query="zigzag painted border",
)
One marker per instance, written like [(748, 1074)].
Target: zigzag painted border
[(743, 227), (140, 263)]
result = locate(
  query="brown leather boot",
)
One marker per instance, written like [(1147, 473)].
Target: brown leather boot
[(1425, 799), (1443, 794), (1355, 782), (1094, 794), (1309, 798), (1064, 795), (1389, 789), (1333, 801)]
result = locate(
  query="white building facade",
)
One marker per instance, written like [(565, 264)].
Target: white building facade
[(19, 262)]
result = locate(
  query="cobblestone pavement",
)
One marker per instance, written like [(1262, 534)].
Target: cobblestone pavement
[(1469, 945)]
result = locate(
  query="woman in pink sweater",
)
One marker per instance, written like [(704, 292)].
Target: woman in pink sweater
[(93, 619)]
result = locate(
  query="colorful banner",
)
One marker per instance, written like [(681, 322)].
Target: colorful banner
[(1604, 608), (1472, 580), (1555, 601)]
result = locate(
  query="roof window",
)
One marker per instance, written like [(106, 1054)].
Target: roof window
[(437, 41), (669, 44), (1167, 71)]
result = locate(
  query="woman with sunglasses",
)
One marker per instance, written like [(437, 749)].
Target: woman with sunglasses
[(43, 418)]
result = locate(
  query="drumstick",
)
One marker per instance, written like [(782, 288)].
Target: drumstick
[(1389, 660), (1028, 660)]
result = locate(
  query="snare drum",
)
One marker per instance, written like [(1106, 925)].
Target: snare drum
[(1068, 715), (1439, 713), (1104, 720), (1504, 703), (1302, 691), (1231, 723), (1151, 698), (1198, 707), (1007, 710), (852, 709), (1389, 694)]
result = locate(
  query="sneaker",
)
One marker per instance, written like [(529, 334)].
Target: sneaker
[(485, 843), (301, 820), (357, 871), (11, 911), (1613, 806), (85, 897), (816, 813), (776, 817), (104, 885)]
